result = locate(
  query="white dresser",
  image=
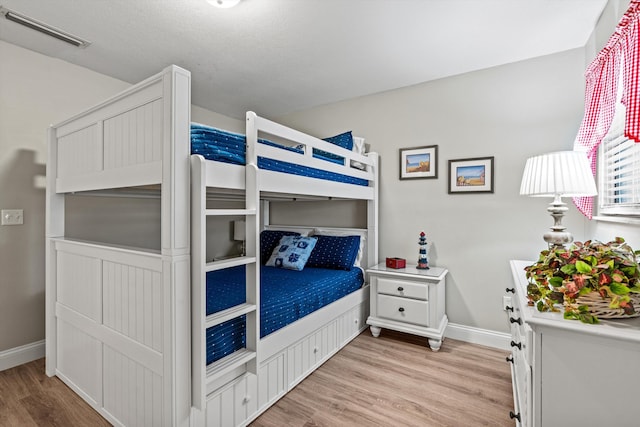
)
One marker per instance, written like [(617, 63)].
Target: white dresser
[(408, 300), (567, 373)]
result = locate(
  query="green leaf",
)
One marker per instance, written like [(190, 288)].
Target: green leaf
[(583, 267), (570, 269), (635, 289), (618, 289), (555, 281)]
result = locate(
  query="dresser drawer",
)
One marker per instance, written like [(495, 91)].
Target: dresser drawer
[(403, 309), (403, 288)]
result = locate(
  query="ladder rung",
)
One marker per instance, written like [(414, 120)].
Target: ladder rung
[(228, 314), (229, 262), (228, 363), (229, 212)]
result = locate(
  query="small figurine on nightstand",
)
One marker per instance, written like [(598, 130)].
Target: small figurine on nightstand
[(423, 263)]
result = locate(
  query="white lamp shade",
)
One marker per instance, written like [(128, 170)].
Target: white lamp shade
[(562, 173), (239, 230)]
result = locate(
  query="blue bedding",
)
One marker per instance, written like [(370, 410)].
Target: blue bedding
[(285, 296), (229, 147)]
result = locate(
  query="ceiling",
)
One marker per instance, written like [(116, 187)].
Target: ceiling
[(281, 56)]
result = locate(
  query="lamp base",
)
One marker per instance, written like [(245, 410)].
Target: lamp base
[(557, 237)]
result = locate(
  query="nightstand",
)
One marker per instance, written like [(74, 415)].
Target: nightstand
[(408, 300)]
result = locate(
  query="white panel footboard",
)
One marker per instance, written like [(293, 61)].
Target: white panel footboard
[(118, 143), (110, 313)]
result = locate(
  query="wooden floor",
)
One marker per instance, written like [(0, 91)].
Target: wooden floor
[(393, 380), (29, 398), (396, 380)]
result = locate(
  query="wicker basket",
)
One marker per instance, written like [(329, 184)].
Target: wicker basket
[(599, 306)]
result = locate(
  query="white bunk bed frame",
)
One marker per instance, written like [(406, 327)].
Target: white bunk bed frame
[(125, 327)]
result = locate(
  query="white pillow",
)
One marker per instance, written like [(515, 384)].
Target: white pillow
[(325, 232), (358, 147)]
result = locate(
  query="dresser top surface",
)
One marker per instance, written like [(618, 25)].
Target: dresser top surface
[(628, 329)]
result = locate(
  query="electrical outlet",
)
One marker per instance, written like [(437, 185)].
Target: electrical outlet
[(12, 216), (506, 302)]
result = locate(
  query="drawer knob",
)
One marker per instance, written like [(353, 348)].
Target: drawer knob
[(508, 308), (401, 309), (516, 416), (512, 290), (509, 359), (315, 349), (518, 320), (516, 344), (246, 399), (400, 289)]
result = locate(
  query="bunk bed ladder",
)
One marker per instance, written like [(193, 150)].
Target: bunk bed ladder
[(204, 377)]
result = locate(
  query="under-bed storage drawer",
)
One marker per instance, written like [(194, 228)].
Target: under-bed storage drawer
[(273, 380), (306, 354), (403, 309), (403, 288), (351, 323), (234, 404)]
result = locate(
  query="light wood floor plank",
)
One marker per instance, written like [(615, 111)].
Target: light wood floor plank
[(396, 380), (29, 398), (393, 380)]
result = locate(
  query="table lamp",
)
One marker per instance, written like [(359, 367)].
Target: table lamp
[(239, 233), (559, 174)]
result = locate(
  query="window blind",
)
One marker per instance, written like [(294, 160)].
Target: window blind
[(619, 170)]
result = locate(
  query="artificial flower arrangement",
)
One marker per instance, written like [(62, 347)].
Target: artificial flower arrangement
[(590, 279)]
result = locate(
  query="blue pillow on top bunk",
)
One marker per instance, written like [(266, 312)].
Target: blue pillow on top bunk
[(335, 252), (292, 253), (344, 140), (269, 239)]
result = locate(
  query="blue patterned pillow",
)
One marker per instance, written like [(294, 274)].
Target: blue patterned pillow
[(269, 240), (344, 140), (335, 252), (292, 253)]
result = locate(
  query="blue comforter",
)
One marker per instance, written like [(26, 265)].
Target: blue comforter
[(285, 296)]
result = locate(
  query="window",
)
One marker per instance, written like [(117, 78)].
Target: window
[(619, 170)]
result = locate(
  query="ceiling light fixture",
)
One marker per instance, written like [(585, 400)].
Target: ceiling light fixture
[(43, 28), (224, 4)]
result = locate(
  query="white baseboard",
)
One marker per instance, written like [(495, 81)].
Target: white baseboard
[(499, 340), (21, 355)]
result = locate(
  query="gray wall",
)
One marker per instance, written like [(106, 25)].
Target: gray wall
[(510, 112), (36, 91)]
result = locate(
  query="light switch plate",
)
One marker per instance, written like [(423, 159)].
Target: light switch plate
[(12, 216)]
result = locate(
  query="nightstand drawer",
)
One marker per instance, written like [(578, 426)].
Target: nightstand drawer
[(403, 309), (403, 288)]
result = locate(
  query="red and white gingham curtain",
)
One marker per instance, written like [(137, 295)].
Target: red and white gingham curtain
[(601, 90)]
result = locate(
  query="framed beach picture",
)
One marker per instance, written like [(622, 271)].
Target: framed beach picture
[(419, 162), (471, 175)]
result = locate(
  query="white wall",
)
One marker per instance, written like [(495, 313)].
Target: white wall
[(510, 112)]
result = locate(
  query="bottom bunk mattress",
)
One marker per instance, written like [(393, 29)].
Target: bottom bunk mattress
[(285, 296)]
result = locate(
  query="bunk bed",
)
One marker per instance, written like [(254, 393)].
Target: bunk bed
[(130, 329)]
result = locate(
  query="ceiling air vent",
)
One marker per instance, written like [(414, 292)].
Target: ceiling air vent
[(43, 28)]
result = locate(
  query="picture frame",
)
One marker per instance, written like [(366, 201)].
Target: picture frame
[(474, 175), (419, 162)]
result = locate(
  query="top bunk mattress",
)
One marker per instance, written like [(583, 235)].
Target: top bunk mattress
[(229, 147)]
